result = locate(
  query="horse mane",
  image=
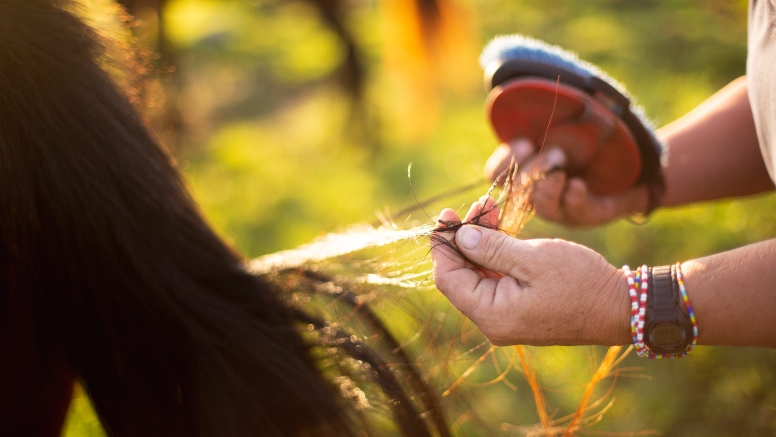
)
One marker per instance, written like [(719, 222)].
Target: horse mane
[(127, 287)]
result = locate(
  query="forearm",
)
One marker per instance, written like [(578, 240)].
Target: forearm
[(713, 151), (733, 295)]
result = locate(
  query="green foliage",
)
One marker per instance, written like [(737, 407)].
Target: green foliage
[(276, 154)]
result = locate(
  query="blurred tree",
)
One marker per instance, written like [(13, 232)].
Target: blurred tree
[(428, 39)]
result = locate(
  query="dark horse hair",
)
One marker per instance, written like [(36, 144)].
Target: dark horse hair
[(111, 276)]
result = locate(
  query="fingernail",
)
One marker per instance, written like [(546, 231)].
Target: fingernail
[(469, 237), (554, 158), (497, 162), (521, 149), (501, 153)]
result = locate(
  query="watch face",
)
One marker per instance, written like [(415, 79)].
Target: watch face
[(666, 335)]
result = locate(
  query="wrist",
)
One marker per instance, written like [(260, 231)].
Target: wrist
[(618, 314), (660, 327), (694, 269)]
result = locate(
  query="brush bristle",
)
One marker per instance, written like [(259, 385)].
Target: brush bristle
[(507, 47)]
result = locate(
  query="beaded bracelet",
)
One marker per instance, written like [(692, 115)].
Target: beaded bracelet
[(638, 305), (642, 276), (683, 290), (640, 281), (634, 301)]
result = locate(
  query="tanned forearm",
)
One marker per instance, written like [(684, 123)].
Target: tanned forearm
[(713, 151), (733, 295)]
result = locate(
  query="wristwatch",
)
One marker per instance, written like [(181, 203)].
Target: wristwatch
[(667, 329)]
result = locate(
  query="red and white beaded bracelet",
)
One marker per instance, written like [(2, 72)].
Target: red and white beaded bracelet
[(642, 277), (634, 301)]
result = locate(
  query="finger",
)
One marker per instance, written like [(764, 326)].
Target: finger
[(576, 195), (518, 148), (494, 251), (454, 278), (521, 148), (498, 286), (555, 158), (489, 219), (442, 240), (447, 216), (547, 196), (474, 210), (584, 208), (548, 192), (575, 202), (493, 212), (487, 207), (497, 162), (531, 165), (476, 293)]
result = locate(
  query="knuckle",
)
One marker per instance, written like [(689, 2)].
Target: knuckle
[(444, 284), (495, 249), (559, 246), (546, 245), (504, 327), (440, 281)]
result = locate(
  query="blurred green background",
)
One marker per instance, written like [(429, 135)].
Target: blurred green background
[(279, 147)]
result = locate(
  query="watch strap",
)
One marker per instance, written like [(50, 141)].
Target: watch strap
[(664, 310), (663, 299)]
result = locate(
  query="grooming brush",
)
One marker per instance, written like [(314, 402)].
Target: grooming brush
[(608, 141)]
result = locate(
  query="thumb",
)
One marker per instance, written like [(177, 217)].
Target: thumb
[(494, 250)]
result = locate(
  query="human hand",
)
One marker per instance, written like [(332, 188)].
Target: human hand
[(561, 199), (537, 292)]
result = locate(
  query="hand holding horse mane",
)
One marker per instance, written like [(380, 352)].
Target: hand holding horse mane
[(537, 292)]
